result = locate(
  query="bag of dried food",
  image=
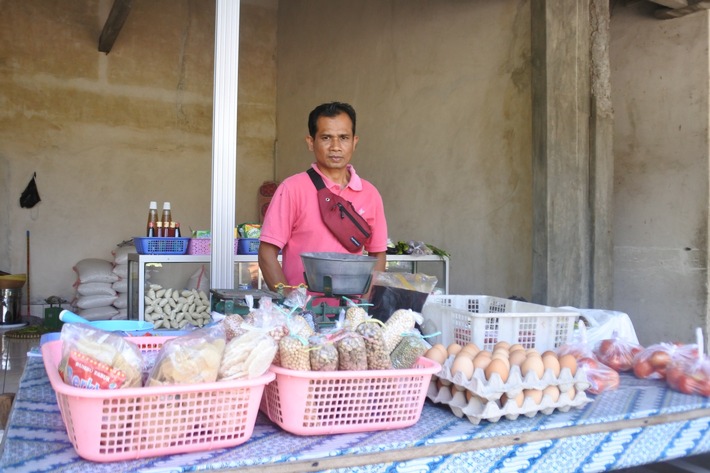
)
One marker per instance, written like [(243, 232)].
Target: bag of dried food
[(96, 359), (190, 359)]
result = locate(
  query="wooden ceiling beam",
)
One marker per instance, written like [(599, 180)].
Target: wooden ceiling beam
[(114, 23)]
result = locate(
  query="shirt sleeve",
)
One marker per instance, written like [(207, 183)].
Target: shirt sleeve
[(378, 241), (278, 220)]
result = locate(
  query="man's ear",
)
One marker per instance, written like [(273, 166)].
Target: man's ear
[(309, 142)]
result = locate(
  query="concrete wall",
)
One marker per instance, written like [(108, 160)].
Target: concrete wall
[(442, 91), (660, 95), (108, 133)]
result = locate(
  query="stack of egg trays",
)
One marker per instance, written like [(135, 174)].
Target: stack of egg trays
[(484, 403)]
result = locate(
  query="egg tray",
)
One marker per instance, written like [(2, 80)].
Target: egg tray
[(492, 389), (477, 409)]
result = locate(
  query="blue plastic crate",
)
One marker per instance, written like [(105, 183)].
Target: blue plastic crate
[(248, 246), (161, 246)]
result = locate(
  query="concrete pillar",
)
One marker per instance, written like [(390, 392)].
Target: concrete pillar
[(571, 155)]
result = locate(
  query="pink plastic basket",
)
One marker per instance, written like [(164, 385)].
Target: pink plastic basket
[(124, 424), (336, 402), (203, 246)]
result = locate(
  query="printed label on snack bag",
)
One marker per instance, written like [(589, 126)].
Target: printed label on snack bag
[(88, 373)]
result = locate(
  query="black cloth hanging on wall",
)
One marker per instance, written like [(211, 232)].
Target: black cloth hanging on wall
[(30, 196)]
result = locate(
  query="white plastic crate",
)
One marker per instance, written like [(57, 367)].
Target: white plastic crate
[(485, 320)]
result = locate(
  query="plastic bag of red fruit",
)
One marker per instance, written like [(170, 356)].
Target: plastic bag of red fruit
[(691, 375), (617, 353)]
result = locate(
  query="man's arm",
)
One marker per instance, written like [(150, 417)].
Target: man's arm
[(269, 265), (381, 263)]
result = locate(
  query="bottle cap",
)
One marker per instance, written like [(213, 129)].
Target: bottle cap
[(153, 205), (166, 206)]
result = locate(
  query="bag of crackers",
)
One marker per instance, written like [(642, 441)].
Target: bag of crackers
[(97, 359)]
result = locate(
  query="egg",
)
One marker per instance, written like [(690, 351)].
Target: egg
[(534, 394), (482, 360), (501, 352), (551, 363), (517, 357), (532, 364), (572, 393), (518, 400), (454, 349), (570, 362), (472, 347), (548, 353), (501, 356), (470, 351), (501, 344), (436, 354), (497, 366), (531, 351), (516, 347), (463, 365), (553, 392)]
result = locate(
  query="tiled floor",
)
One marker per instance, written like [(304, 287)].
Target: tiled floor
[(14, 356)]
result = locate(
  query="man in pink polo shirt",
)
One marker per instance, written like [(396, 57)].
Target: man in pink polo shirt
[(293, 223)]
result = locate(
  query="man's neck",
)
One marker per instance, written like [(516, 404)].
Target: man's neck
[(337, 176)]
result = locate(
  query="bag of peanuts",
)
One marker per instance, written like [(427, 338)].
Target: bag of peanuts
[(323, 354), (372, 332), (352, 351)]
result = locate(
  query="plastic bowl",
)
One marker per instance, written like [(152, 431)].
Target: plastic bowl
[(338, 273)]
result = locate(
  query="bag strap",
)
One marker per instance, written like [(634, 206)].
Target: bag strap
[(317, 180)]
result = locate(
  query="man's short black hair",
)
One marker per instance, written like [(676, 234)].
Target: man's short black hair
[(332, 109)]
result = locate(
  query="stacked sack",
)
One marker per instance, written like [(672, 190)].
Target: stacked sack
[(95, 294), (120, 269)]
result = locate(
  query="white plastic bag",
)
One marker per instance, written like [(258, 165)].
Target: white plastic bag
[(601, 324)]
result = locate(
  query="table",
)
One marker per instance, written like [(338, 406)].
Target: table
[(639, 423)]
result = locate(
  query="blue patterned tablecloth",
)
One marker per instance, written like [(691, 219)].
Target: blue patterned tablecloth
[(36, 439)]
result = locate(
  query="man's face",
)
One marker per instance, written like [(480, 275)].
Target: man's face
[(334, 142)]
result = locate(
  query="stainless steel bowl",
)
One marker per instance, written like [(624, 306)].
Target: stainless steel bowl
[(348, 274)]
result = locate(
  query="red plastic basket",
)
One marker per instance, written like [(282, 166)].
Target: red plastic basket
[(124, 424), (335, 402)]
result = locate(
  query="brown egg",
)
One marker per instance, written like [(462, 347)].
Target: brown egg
[(568, 361), (463, 365), (534, 394), (453, 349), (516, 347), (572, 393), (501, 344), (548, 352), (469, 350), (497, 366), (532, 364), (531, 351), (436, 354), (501, 356), (553, 392), (517, 357), (551, 363), (501, 352), (482, 360), (518, 400)]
